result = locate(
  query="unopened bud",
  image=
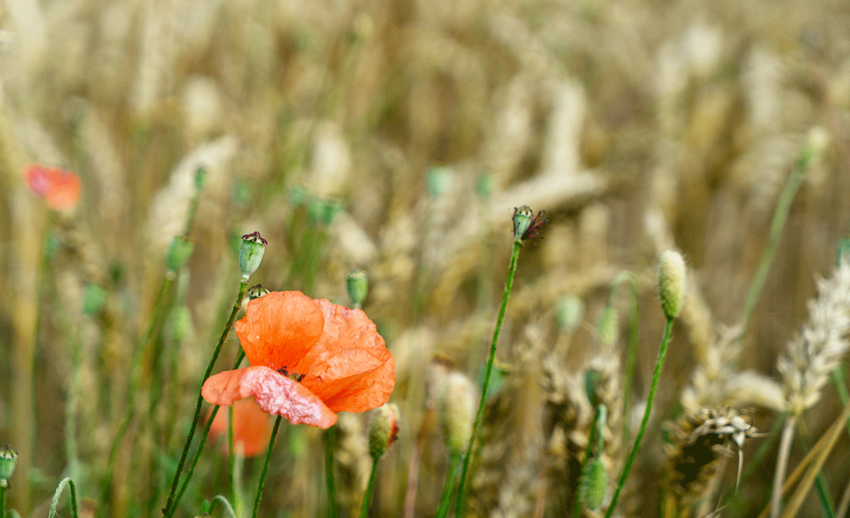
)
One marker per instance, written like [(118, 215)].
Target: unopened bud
[(178, 253), (179, 324), (383, 429), (94, 297), (671, 283), (438, 180), (357, 284), (251, 253), (456, 411), (323, 211), (594, 483), (568, 313), (8, 460), (608, 327)]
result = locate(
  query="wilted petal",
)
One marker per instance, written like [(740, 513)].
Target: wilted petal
[(279, 329), (349, 368), (276, 394)]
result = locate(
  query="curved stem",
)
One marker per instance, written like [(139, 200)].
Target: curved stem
[(479, 416), (330, 481), (65, 482), (171, 503), (227, 507), (782, 465), (367, 498), (658, 364), (449, 487), (266, 467)]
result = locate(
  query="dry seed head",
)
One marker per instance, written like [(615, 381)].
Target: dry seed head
[(456, 411), (671, 283)]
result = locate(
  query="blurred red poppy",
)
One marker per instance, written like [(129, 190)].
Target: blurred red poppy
[(60, 189), (250, 427), (309, 360)]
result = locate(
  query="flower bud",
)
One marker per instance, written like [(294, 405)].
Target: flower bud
[(608, 327), (8, 460), (251, 253), (438, 180), (592, 379), (179, 324), (671, 283), (456, 411), (357, 284), (593, 484), (383, 429), (178, 253), (94, 297), (323, 211), (568, 313)]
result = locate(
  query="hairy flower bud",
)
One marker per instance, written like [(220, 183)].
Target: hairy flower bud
[(251, 253), (456, 411), (671, 283), (594, 483), (383, 429)]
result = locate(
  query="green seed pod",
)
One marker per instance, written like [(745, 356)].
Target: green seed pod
[(179, 324), (671, 283), (608, 327), (251, 253), (383, 429), (438, 180), (178, 253), (8, 460), (357, 284), (593, 485), (257, 291), (568, 313)]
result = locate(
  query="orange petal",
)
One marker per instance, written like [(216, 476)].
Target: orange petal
[(60, 189), (279, 329), (276, 394), (250, 427), (350, 368)]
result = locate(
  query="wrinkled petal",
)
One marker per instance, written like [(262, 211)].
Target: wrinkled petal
[(279, 329), (60, 189), (250, 427), (276, 394), (349, 368)]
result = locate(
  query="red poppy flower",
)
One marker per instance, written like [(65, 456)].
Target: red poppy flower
[(309, 360), (60, 189), (250, 427)]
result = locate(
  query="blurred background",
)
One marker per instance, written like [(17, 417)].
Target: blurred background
[(398, 136)]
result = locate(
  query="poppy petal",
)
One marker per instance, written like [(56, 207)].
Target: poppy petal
[(350, 368), (276, 394), (250, 427), (279, 328), (60, 189)]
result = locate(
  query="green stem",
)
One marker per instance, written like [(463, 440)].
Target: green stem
[(2, 501), (266, 467), (588, 451), (230, 453), (227, 507), (65, 482), (480, 415), (135, 379), (171, 503), (780, 217), (367, 498), (203, 439), (631, 359), (330, 441), (656, 375), (448, 489)]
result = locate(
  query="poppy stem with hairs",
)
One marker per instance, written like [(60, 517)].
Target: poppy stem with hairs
[(266, 467), (171, 503), (2, 502), (330, 444), (479, 416), (367, 498)]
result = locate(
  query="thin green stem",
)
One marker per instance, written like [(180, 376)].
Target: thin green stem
[(780, 217), (135, 378), (588, 451), (480, 415), (330, 482), (631, 358), (662, 352), (2, 501), (171, 504), (367, 498), (449, 487), (230, 453), (66, 482), (266, 467), (227, 507), (203, 440)]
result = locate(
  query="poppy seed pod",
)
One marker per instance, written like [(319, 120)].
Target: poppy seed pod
[(456, 411), (178, 253), (671, 283), (383, 429), (8, 460), (357, 284), (251, 253)]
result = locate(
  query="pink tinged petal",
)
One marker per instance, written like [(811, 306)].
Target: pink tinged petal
[(279, 329), (276, 394)]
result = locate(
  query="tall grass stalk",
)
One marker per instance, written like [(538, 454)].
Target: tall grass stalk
[(171, 503), (480, 414)]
